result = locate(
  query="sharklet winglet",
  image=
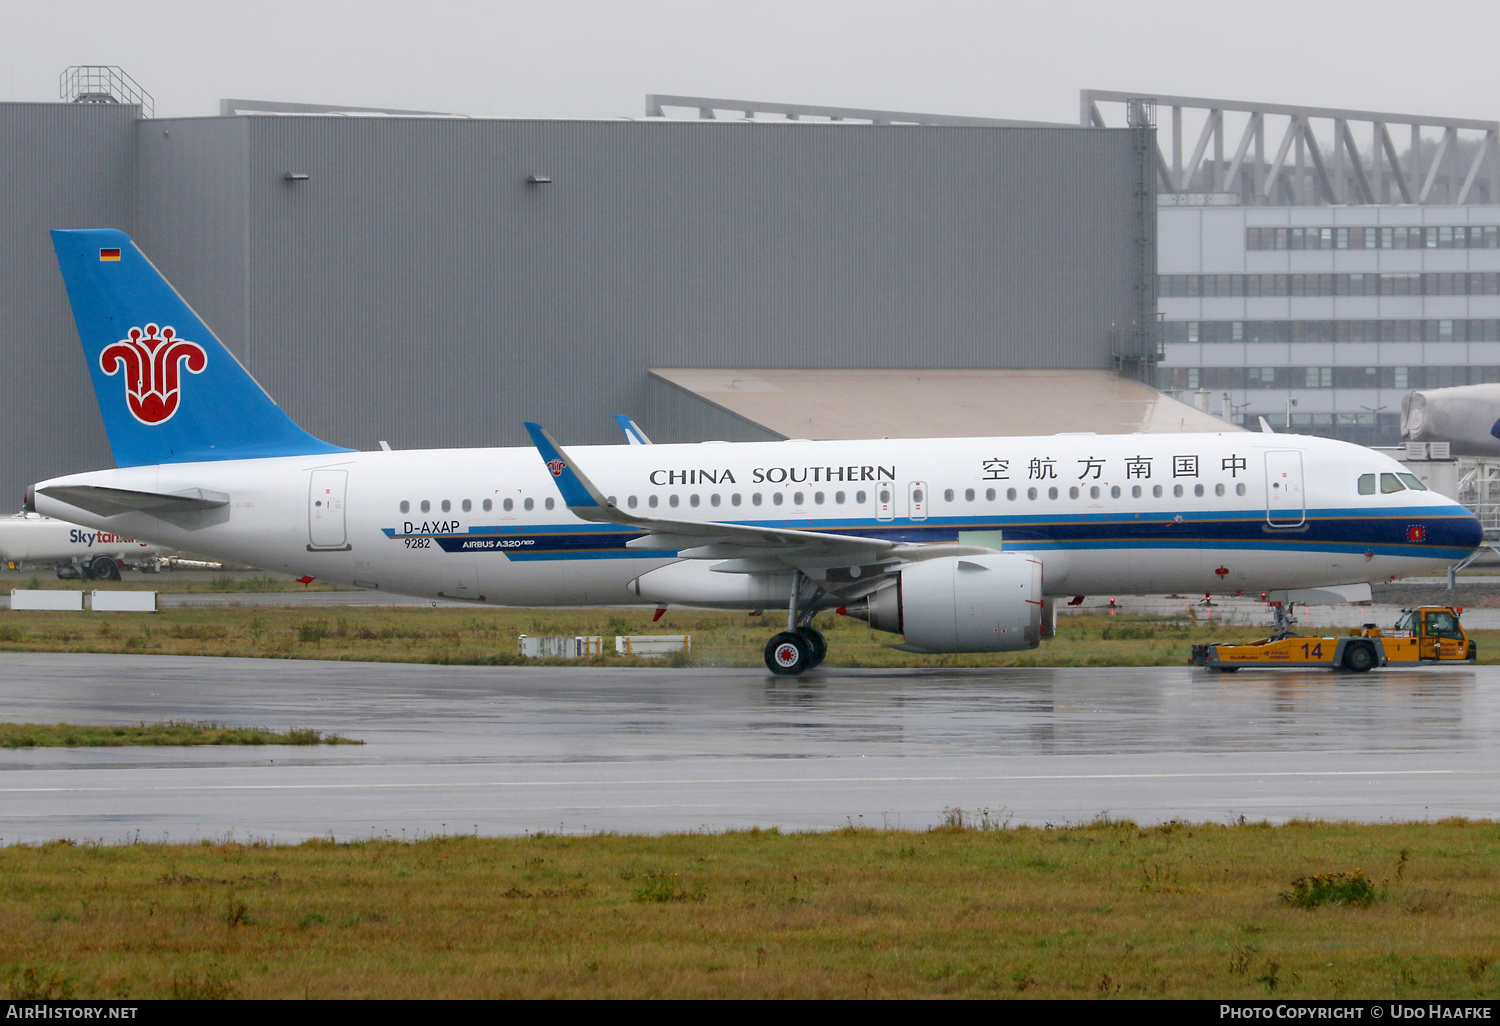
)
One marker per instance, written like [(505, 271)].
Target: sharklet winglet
[(578, 492)]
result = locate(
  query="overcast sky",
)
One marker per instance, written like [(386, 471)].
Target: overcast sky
[(590, 59)]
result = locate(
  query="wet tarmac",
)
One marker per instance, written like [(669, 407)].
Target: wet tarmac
[(510, 750)]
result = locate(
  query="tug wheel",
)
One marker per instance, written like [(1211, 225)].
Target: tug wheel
[(1359, 658)]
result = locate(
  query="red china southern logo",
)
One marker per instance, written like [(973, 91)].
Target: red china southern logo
[(152, 364), (557, 467)]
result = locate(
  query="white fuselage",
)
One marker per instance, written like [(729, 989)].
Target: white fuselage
[(1128, 514)]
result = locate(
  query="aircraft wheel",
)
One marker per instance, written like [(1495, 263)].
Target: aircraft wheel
[(104, 569), (1359, 658), (817, 645), (788, 654)]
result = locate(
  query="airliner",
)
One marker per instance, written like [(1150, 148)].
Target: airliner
[(958, 544)]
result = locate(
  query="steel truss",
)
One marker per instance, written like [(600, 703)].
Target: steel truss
[(1462, 165)]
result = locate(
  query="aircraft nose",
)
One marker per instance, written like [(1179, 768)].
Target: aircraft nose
[(1470, 532)]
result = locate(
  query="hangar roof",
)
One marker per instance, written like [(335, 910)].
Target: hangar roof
[(805, 403)]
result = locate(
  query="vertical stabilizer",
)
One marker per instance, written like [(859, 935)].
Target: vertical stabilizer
[(168, 390)]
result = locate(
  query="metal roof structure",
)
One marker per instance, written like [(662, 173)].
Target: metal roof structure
[(1317, 158), (709, 108), (862, 403)]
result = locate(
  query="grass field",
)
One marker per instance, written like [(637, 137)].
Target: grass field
[(488, 636), (177, 733), (1099, 910)]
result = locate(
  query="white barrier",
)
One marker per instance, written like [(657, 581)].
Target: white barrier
[(652, 644), (561, 647), (123, 601), (55, 601)]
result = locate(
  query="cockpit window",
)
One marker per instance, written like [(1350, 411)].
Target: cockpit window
[(1367, 484), (1391, 483), (1413, 482)]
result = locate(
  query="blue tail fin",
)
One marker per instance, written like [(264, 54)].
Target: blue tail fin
[(168, 389)]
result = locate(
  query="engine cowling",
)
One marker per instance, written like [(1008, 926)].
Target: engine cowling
[(962, 604)]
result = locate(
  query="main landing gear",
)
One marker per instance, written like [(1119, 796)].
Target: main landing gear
[(801, 646)]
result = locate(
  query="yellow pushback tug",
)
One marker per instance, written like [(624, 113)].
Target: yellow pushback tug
[(1425, 634)]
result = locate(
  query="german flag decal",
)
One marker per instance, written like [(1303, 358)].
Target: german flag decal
[(109, 254)]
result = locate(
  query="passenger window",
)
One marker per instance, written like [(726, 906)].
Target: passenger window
[(1198, 490), (530, 504), (1094, 491), (509, 505), (916, 496), (1177, 491), (1413, 482), (838, 497), (1156, 491), (631, 502), (818, 498), (1218, 489), (447, 505), (1391, 483), (734, 500), (693, 501), (426, 505), (1051, 493), (1114, 491), (777, 498), (1010, 493), (405, 506), (672, 501), (755, 499), (1367, 484), (550, 503), (1031, 493), (489, 504), (1073, 492), (968, 495), (859, 497), (948, 495), (989, 495), (1239, 489), (799, 500), (1135, 491), (466, 505), (651, 501), (714, 500)]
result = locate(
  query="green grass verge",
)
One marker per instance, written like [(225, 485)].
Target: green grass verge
[(489, 636), (1105, 909), (173, 732)]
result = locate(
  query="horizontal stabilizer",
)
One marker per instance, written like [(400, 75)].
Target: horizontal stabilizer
[(110, 502)]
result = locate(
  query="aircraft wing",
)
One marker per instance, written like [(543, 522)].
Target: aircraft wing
[(748, 549)]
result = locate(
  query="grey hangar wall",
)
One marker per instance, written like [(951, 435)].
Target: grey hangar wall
[(416, 288)]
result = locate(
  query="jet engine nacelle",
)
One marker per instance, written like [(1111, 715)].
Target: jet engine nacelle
[(1465, 416), (962, 604)]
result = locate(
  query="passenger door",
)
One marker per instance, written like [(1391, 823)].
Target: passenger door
[(326, 527), (1285, 502)]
